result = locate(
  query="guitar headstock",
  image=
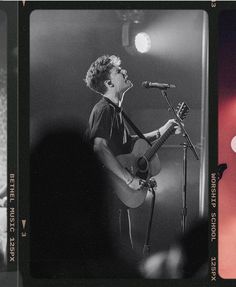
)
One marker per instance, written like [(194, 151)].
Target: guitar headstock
[(182, 110)]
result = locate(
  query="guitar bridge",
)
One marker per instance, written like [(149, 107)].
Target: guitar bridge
[(142, 175)]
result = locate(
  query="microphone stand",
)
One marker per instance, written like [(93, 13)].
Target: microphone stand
[(187, 144), (146, 248)]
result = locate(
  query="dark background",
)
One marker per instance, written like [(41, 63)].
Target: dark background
[(62, 46), (3, 99), (3, 137), (3, 26)]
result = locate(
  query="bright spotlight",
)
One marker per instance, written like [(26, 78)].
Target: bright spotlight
[(142, 42)]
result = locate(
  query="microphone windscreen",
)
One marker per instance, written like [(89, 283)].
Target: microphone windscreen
[(145, 84)]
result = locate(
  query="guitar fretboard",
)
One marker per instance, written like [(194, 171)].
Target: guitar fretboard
[(152, 150)]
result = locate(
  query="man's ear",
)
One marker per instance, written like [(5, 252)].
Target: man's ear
[(108, 84)]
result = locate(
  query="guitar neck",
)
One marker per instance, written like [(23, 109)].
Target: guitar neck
[(152, 150)]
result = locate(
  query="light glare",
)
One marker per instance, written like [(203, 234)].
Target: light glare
[(142, 42)]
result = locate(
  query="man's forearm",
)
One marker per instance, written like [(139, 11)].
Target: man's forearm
[(110, 161), (152, 136)]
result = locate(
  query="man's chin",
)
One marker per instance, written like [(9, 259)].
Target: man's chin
[(129, 85)]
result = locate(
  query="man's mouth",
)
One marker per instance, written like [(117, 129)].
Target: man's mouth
[(126, 79), (128, 82)]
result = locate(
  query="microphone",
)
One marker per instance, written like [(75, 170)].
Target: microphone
[(160, 86)]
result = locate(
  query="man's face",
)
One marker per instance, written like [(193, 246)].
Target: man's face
[(119, 79)]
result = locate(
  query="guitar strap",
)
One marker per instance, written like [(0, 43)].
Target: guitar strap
[(135, 129), (128, 120)]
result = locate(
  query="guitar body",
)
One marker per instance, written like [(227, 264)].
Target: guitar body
[(130, 197), (134, 198), (142, 162), (131, 161)]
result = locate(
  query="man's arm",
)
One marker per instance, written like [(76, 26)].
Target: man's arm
[(159, 132), (109, 160)]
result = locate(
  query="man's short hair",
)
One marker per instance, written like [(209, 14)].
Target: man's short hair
[(99, 72)]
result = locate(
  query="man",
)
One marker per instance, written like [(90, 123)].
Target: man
[(107, 128)]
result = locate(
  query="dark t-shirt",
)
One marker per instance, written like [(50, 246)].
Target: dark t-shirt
[(106, 121)]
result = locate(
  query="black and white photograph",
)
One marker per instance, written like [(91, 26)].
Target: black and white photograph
[(118, 143), (3, 142)]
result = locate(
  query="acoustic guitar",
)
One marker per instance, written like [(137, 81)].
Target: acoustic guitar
[(142, 162)]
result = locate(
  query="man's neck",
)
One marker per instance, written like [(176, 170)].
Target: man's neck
[(116, 99)]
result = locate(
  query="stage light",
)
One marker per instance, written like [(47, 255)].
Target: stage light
[(142, 42), (233, 144)]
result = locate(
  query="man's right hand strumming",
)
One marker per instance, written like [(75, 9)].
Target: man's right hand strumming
[(135, 183), (111, 163)]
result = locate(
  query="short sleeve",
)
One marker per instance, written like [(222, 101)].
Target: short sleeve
[(100, 123)]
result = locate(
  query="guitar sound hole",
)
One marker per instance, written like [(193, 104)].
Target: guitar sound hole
[(142, 164)]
